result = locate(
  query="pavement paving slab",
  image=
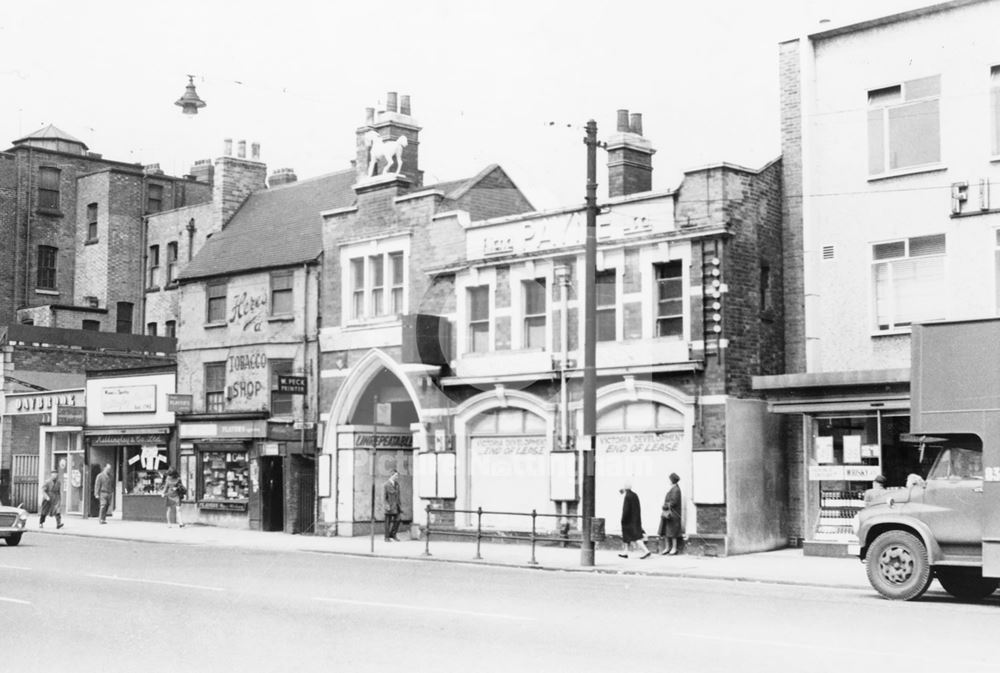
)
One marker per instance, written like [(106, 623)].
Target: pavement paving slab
[(783, 566)]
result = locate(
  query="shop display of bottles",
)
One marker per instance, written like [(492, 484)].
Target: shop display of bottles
[(837, 511)]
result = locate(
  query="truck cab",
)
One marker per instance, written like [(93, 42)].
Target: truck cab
[(945, 525)]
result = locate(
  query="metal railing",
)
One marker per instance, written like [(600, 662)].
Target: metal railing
[(563, 535)]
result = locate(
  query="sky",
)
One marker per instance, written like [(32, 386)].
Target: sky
[(511, 82)]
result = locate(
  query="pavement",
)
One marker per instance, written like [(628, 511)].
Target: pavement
[(784, 566)]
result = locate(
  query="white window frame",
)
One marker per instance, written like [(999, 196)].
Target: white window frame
[(893, 265), (883, 103), (682, 298), (360, 303), (528, 318), (995, 111), (471, 325), (616, 306)]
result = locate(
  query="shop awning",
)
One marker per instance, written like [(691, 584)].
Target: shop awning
[(847, 391)]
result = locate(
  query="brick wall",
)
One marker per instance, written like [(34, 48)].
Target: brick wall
[(789, 74), (9, 226), (495, 195), (234, 180)]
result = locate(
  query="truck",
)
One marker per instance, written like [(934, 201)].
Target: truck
[(944, 525)]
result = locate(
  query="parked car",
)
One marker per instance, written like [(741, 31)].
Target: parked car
[(13, 521)]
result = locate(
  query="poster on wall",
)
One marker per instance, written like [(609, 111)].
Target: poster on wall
[(246, 380), (708, 477), (852, 448), (824, 449)]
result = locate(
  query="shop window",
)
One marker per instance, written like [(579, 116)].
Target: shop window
[(281, 403), (123, 317), (46, 263), (91, 223), (904, 126), (171, 261), (48, 188), (154, 265), (225, 475), (669, 300), (144, 469), (215, 387), (606, 315), (534, 313), (154, 198), (281, 293), (479, 319), (396, 280), (189, 473), (908, 279), (170, 329), (216, 302)]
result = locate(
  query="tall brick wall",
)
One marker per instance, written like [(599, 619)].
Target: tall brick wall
[(790, 74), (495, 195), (9, 227)]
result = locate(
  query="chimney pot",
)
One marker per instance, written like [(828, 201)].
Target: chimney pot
[(227, 147), (635, 125), (369, 115), (390, 101), (404, 104), (241, 149), (255, 151), (622, 121)]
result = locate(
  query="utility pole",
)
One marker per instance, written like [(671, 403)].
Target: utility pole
[(589, 349)]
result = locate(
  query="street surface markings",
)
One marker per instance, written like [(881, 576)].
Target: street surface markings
[(822, 647), (13, 568), (424, 608), (14, 600), (164, 583)]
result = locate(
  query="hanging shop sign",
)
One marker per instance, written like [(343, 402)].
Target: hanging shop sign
[(149, 458), (294, 385), (179, 403)]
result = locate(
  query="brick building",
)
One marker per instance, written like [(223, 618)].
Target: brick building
[(890, 132), (467, 395), (73, 221), (376, 250), (42, 419)]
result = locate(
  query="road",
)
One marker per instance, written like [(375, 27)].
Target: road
[(89, 604)]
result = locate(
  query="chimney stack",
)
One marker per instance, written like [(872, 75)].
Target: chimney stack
[(393, 124), (630, 157), (255, 151), (202, 171), (233, 180), (282, 176), (227, 147), (241, 149)]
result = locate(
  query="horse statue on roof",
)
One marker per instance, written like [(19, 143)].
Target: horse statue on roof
[(389, 151)]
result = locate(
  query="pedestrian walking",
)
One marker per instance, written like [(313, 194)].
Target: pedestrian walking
[(670, 517), (390, 500), (632, 532), (51, 500), (173, 492), (104, 490)]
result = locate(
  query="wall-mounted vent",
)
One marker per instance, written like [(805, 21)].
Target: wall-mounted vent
[(91, 301), (828, 252)]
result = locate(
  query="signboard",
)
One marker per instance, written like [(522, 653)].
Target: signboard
[(127, 400), (294, 385), (70, 415), (636, 442), (246, 380), (271, 449), (826, 473), (223, 506), (224, 430), (383, 413), (365, 440), (37, 403), (180, 404), (861, 472)]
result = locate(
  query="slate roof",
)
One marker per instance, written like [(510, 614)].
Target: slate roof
[(50, 132), (274, 227)]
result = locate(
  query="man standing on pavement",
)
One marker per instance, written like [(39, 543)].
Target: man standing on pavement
[(51, 500), (104, 488), (390, 499)]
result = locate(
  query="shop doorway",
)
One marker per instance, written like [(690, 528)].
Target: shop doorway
[(99, 457), (272, 496)]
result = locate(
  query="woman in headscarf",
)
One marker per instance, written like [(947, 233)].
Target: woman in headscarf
[(670, 517), (632, 532)]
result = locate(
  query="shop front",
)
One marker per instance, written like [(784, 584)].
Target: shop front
[(47, 428), (130, 427), (221, 464), (852, 430)]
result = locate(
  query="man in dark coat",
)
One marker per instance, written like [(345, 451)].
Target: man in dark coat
[(51, 500), (632, 532), (392, 506)]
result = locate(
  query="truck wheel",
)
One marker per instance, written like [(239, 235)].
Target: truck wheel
[(967, 584), (14, 540), (897, 566)]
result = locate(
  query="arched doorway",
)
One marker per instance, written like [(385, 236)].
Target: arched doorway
[(371, 432)]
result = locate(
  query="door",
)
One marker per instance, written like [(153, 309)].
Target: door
[(25, 486), (305, 476), (272, 494), (954, 493)]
